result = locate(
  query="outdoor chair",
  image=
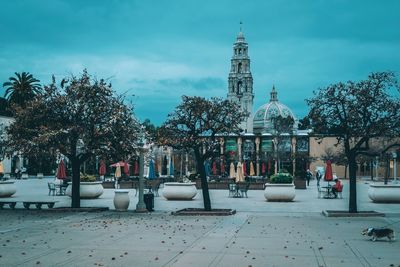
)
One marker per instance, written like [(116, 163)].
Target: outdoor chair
[(339, 193), (52, 188), (232, 190), (321, 192), (243, 187)]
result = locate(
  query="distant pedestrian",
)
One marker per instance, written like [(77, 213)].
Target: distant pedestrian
[(308, 177), (318, 175)]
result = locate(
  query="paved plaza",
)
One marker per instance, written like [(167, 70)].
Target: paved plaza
[(260, 234)]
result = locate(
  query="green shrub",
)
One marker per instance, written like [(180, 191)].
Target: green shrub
[(281, 178), (87, 178)]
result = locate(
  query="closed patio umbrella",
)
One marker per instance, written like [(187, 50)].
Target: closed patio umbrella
[(328, 176), (171, 168), (152, 174), (239, 173), (102, 168), (214, 168), (244, 167), (263, 168), (117, 171), (232, 173), (126, 169), (1, 167), (61, 173), (251, 169)]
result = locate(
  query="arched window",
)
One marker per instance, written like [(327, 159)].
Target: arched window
[(240, 51), (240, 67), (239, 88)]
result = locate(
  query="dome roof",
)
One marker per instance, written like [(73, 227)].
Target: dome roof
[(262, 120)]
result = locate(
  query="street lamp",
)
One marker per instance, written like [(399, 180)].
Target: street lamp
[(394, 154), (141, 206)]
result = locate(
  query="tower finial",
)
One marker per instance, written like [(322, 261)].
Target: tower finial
[(241, 23), (274, 94)]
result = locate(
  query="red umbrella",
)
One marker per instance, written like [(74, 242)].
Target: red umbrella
[(126, 168), (263, 168), (214, 168), (61, 174), (328, 171), (136, 171), (102, 168), (244, 168)]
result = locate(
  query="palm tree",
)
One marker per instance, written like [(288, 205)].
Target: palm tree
[(21, 88)]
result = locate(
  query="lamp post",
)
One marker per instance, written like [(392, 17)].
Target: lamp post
[(394, 154), (141, 206)]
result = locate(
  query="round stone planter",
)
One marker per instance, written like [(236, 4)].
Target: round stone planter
[(7, 189), (179, 191), (279, 192), (389, 193), (87, 190), (121, 200)]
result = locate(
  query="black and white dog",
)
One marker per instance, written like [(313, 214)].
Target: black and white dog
[(379, 233)]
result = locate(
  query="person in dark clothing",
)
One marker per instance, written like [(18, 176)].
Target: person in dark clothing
[(308, 177), (318, 176)]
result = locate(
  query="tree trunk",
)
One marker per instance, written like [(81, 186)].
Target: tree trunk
[(353, 184), (203, 178), (76, 179), (345, 171)]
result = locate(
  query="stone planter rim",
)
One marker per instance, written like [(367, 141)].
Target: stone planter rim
[(288, 185), (96, 182), (385, 185), (121, 191), (179, 184), (7, 182)]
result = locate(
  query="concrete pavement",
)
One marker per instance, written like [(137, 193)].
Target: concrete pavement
[(260, 234)]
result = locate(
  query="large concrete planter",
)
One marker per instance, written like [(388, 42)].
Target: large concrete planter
[(389, 193), (179, 191), (87, 190), (7, 189), (279, 192), (121, 200)]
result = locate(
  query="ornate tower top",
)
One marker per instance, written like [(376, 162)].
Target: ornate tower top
[(274, 94), (240, 80)]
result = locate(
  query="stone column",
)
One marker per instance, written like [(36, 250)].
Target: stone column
[(239, 143), (294, 154)]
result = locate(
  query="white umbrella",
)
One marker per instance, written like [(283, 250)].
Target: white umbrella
[(118, 171), (239, 172), (232, 173)]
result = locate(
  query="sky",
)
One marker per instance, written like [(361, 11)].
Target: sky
[(155, 51)]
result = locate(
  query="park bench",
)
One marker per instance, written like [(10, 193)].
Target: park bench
[(11, 204), (38, 204)]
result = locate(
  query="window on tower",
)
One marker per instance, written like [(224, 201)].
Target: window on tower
[(240, 68)]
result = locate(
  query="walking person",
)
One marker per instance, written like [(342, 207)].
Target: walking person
[(318, 175), (308, 176)]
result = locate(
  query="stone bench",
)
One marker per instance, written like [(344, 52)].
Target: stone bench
[(11, 204), (38, 204)]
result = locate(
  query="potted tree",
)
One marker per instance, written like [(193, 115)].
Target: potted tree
[(280, 188)]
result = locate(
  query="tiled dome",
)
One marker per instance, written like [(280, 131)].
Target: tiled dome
[(262, 120)]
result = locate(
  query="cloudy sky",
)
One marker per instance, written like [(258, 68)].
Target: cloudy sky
[(156, 51)]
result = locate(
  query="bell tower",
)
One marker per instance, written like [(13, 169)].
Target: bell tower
[(240, 80)]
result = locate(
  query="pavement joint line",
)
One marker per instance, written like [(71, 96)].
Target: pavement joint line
[(179, 255), (358, 254), (224, 250)]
